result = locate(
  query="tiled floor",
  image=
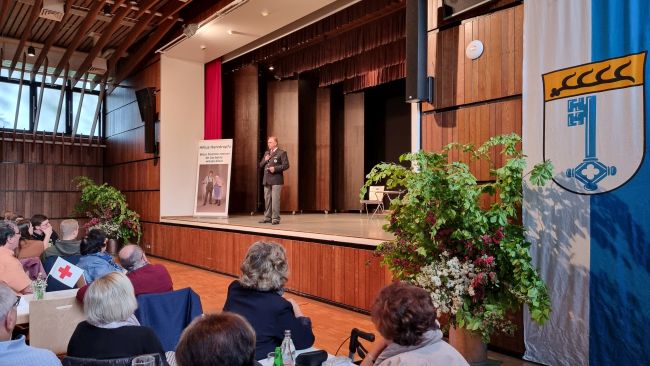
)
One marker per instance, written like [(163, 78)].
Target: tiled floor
[(332, 324)]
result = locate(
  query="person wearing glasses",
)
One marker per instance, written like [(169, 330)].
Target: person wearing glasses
[(11, 270), (17, 352)]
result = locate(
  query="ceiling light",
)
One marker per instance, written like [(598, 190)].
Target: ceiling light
[(271, 68), (31, 51), (106, 10), (230, 31), (265, 13)]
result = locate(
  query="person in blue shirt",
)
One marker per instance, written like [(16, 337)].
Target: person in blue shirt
[(17, 352), (94, 260)]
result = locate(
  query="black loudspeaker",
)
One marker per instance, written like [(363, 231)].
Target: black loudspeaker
[(147, 105), (416, 51)]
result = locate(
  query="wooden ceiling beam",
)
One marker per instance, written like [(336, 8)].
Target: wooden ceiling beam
[(81, 34), (4, 7), (54, 33), (135, 59), (169, 10), (36, 9), (103, 40)]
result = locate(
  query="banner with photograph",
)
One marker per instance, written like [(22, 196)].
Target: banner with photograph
[(213, 178)]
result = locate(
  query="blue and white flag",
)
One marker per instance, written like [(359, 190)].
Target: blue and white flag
[(584, 108)]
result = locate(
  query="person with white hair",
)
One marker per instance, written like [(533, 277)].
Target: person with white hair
[(257, 296), (16, 352), (11, 270), (110, 329)]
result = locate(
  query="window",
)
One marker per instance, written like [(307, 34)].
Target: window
[(29, 97), (8, 101), (87, 112), (48, 111)]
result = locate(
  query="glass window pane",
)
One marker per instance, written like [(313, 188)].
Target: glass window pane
[(87, 113), (48, 111), (8, 101)]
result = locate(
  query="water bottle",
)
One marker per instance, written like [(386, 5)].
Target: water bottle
[(288, 350)]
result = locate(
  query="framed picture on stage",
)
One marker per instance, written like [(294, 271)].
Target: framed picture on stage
[(213, 178)]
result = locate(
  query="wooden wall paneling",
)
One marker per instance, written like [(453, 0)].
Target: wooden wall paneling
[(282, 121), (138, 175), (245, 173), (323, 200), (145, 203), (307, 135), (353, 155), (345, 275)]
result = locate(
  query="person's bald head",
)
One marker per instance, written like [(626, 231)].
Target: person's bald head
[(132, 257)]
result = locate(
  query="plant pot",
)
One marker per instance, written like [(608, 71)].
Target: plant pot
[(469, 345), (113, 246)]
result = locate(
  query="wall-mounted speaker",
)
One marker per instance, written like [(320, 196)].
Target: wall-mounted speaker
[(147, 104), (416, 51)]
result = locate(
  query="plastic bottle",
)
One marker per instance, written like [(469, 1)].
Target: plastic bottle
[(288, 350)]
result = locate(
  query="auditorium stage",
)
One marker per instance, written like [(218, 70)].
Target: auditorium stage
[(350, 228)]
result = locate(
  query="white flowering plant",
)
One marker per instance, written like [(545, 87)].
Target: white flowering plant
[(471, 256)]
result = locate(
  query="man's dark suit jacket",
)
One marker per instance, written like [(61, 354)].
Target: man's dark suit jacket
[(270, 315), (280, 162)]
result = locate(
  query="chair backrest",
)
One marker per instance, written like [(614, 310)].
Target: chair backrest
[(31, 248), (376, 193), (52, 322), (53, 284), (124, 361), (168, 314)]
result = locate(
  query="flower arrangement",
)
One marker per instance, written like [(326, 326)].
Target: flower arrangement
[(39, 285), (472, 257), (108, 210)]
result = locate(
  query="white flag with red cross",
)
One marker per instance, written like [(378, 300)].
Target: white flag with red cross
[(66, 272)]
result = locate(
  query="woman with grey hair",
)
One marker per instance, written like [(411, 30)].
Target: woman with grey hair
[(257, 296), (111, 330)]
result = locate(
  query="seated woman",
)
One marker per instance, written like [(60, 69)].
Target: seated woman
[(406, 319), (217, 339), (111, 330), (257, 296), (94, 260)]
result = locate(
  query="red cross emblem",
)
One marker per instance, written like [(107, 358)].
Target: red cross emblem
[(65, 272)]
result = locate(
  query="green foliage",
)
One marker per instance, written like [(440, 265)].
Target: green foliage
[(108, 210), (440, 216)]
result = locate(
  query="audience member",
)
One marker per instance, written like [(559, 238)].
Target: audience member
[(406, 319), (17, 352), (94, 260), (29, 251), (43, 229), (145, 277), (111, 330), (10, 215), (69, 244), (217, 339), (257, 296), (11, 270)]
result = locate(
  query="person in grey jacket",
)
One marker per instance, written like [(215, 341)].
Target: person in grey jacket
[(406, 320), (274, 162)]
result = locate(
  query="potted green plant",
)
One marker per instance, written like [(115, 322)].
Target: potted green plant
[(108, 210), (473, 260)]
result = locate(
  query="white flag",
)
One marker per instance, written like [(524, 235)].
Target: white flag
[(66, 272)]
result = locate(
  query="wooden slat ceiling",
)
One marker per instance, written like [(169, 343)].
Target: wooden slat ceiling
[(89, 29)]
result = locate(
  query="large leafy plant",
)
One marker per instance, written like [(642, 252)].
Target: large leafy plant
[(108, 210), (460, 238)]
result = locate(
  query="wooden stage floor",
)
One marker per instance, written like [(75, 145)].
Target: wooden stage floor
[(331, 324), (337, 227)]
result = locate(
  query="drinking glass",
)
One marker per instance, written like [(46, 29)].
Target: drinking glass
[(146, 360)]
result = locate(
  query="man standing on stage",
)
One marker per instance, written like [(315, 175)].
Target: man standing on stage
[(274, 162)]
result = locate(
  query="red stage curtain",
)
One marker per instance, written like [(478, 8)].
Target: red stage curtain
[(212, 129)]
